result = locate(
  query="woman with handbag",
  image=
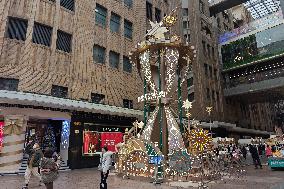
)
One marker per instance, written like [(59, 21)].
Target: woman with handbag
[(49, 168)]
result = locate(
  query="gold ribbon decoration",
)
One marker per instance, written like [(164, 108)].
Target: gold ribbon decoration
[(13, 126)]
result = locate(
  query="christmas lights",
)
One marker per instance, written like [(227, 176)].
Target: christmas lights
[(65, 135), (200, 139), (146, 134)]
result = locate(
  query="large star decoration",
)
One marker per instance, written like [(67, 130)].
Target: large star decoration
[(187, 104), (200, 139), (157, 30)]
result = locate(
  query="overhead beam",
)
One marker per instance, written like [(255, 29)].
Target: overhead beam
[(225, 5)]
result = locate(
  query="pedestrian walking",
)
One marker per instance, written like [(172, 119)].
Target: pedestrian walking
[(244, 152), (255, 156), (33, 164), (49, 167), (105, 166), (268, 151)]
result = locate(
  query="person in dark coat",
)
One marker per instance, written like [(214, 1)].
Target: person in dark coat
[(49, 167), (244, 152), (255, 156)]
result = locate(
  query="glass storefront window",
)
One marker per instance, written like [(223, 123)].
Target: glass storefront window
[(91, 141), (95, 137), (264, 44)]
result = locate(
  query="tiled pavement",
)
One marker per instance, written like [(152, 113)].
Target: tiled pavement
[(89, 179)]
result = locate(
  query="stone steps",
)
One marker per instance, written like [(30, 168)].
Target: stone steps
[(63, 167)]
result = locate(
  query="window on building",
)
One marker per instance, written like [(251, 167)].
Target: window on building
[(210, 71), (59, 91), (128, 30), (185, 24), (215, 74), (99, 54), (128, 3), (201, 6), (68, 4), (206, 69), (64, 41), (208, 50), (16, 29), (213, 95), (149, 10), (208, 93), (127, 66), (157, 14), (185, 12), (187, 38), (42, 34), (97, 98), (128, 103), (217, 96), (190, 82), (101, 15), (203, 46), (114, 22), (9, 84), (113, 59), (191, 97)]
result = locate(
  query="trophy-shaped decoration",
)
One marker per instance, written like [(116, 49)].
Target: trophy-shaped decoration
[(163, 62)]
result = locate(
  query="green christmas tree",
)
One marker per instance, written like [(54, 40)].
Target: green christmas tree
[(49, 139)]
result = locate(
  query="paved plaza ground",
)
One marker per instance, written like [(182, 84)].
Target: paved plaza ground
[(89, 179)]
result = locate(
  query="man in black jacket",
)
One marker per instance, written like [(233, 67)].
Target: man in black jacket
[(255, 156)]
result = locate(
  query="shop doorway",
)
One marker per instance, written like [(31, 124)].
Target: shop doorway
[(46, 132)]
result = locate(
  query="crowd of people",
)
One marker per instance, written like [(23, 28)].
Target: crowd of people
[(241, 152), (45, 165)]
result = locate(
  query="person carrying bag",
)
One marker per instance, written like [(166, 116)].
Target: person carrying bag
[(49, 168)]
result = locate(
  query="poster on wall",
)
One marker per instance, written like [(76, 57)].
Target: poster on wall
[(110, 139), (1, 134), (91, 143)]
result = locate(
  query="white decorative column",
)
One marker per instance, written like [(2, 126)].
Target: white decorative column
[(13, 143), (65, 133)]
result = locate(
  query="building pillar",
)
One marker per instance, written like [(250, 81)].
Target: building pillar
[(65, 133), (11, 154)]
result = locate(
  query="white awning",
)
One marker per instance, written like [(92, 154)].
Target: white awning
[(13, 97)]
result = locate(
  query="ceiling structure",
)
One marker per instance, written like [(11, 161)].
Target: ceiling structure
[(258, 8), (261, 8)]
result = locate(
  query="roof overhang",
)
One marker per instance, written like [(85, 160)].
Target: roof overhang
[(14, 97)]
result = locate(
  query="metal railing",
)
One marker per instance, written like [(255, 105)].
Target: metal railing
[(256, 77)]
